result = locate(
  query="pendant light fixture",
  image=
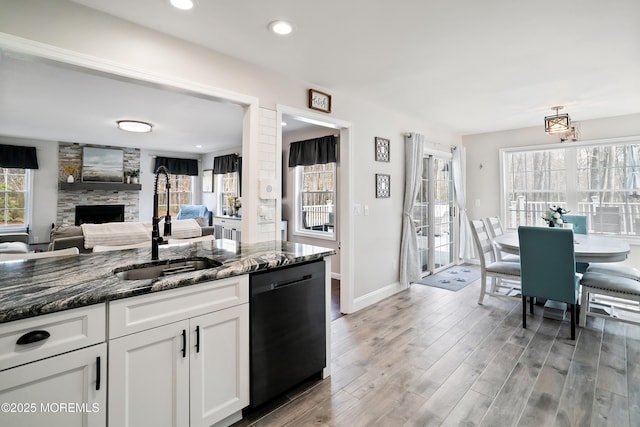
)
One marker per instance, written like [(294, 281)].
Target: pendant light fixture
[(560, 123)]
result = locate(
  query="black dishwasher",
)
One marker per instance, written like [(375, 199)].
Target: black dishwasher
[(287, 327)]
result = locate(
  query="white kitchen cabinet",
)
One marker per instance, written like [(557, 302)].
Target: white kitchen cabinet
[(67, 390), (149, 378), (53, 369), (193, 371), (219, 365)]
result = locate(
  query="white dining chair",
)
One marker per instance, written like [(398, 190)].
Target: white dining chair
[(494, 227), (505, 276), (37, 255)]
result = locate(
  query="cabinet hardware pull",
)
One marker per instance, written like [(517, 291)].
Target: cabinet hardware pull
[(97, 373), (184, 343), (33, 336), (285, 283), (198, 339)]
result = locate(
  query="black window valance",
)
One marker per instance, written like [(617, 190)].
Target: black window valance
[(178, 166), (317, 151), (12, 156), (226, 164)]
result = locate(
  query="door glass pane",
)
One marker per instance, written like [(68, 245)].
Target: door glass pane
[(421, 216), (443, 224)]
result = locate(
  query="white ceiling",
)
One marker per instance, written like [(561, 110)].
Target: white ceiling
[(472, 66), (43, 100), (468, 65)]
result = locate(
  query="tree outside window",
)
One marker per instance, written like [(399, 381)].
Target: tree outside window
[(600, 181), (316, 207), (13, 197), (181, 193)]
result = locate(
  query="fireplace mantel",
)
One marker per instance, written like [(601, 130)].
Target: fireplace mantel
[(108, 186)]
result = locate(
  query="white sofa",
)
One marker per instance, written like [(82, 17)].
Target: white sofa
[(86, 236)]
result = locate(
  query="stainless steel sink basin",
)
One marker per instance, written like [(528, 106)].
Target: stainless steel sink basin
[(156, 269)]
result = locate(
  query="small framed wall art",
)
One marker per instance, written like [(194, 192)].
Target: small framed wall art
[(383, 186), (319, 101), (382, 149)]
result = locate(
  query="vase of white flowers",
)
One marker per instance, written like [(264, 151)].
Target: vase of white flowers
[(554, 216)]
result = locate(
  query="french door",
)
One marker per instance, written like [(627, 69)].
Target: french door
[(433, 214)]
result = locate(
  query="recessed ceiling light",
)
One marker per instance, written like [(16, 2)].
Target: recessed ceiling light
[(281, 27), (283, 123), (182, 4), (198, 146), (134, 126)]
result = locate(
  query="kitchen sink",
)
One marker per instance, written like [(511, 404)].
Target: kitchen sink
[(164, 268)]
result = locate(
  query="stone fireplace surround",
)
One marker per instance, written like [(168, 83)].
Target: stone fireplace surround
[(69, 199)]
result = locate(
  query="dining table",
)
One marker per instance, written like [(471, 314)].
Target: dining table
[(588, 247)]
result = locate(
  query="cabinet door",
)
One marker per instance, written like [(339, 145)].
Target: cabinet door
[(66, 390), (219, 365), (149, 377)]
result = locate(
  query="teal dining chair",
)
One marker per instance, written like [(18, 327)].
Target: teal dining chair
[(547, 268), (579, 223), (579, 227)]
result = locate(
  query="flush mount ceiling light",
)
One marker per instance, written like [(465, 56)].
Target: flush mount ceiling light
[(134, 126), (281, 27), (182, 4), (560, 123)]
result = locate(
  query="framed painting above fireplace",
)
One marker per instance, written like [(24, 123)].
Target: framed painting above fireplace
[(102, 165)]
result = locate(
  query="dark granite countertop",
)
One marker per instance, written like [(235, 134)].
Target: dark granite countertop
[(38, 286)]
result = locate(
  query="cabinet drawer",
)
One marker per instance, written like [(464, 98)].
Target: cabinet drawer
[(143, 312), (68, 330)]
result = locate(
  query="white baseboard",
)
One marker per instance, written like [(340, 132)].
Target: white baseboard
[(335, 276), (377, 296)]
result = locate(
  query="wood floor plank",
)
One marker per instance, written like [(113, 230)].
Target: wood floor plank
[(543, 403), (576, 402), (512, 398), (610, 409), (447, 396), (496, 373), (469, 411), (633, 373), (612, 368), (323, 413)]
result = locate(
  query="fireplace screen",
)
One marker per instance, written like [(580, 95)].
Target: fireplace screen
[(99, 214)]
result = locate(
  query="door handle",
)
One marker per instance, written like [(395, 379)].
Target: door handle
[(184, 343), (97, 373), (198, 339)]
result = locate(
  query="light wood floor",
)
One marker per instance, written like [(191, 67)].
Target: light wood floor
[(428, 357)]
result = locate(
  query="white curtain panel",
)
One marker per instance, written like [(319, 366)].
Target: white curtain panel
[(458, 167), (410, 268)]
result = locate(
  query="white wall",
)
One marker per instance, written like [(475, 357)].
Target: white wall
[(483, 184), (45, 186), (376, 246)]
